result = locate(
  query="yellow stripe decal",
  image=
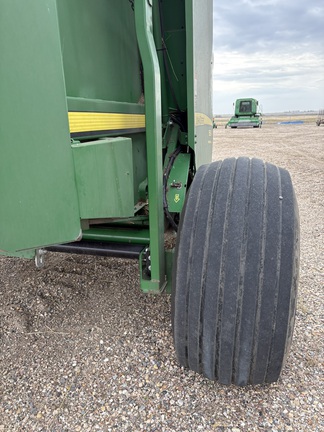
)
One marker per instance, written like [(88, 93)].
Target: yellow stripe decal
[(93, 121), (202, 119)]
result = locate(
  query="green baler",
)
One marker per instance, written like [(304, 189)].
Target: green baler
[(105, 149), (246, 114)]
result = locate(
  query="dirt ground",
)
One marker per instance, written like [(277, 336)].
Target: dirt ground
[(82, 349)]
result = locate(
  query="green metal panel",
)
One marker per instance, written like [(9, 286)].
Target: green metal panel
[(170, 39), (97, 105), (199, 26), (177, 184), (100, 54), (118, 234), (137, 137), (38, 196), (104, 177), (29, 253)]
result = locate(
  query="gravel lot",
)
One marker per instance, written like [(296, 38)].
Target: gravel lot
[(82, 349)]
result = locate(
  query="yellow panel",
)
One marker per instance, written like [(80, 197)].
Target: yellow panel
[(93, 121)]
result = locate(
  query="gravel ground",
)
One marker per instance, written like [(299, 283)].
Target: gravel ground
[(82, 349)]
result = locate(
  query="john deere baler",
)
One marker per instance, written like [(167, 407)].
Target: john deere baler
[(105, 149)]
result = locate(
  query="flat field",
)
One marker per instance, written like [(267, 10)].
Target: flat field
[(82, 349)]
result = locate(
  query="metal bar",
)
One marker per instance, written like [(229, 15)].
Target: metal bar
[(117, 250), (117, 235), (152, 87)]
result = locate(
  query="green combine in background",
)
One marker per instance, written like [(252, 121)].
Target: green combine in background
[(106, 139), (246, 114)]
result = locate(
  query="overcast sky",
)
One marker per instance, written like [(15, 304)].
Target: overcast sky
[(272, 50)]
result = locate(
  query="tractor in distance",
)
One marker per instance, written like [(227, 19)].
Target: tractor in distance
[(246, 114)]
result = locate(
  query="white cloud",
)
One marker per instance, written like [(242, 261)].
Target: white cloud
[(317, 11), (276, 78), (260, 3)]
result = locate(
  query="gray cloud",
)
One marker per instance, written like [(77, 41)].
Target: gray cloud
[(271, 48), (256, 26)]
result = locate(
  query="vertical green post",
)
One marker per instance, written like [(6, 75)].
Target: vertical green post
[(152, 88), (199, 49)]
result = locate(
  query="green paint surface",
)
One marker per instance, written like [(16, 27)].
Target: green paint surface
[(177, 185), (100, 54), (38, 196), (104, 177)]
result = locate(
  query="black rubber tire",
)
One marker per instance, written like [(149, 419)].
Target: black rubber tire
[(236, 271)]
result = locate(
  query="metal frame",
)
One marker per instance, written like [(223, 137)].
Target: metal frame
[(153, 114)]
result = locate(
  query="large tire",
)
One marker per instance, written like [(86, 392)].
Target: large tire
[(235, 272)]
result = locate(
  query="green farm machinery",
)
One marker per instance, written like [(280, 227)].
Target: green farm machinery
[(246, 114), (105, 148)]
